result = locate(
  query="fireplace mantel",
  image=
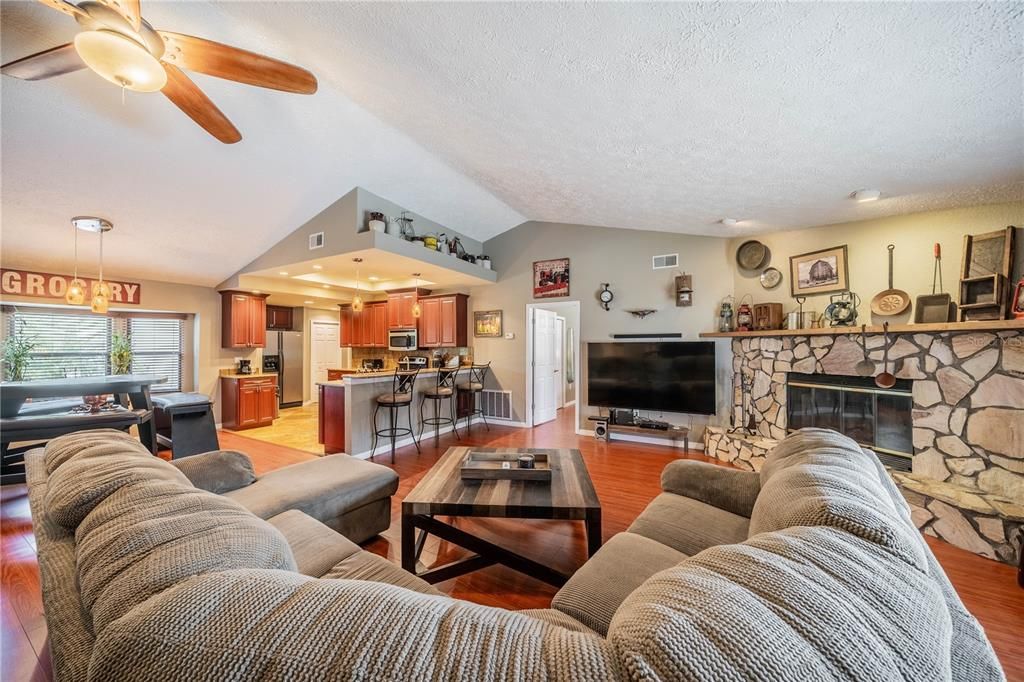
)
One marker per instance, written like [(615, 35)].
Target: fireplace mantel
[(938, 327)]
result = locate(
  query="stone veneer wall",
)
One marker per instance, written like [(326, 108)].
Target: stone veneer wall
[(968, 421)]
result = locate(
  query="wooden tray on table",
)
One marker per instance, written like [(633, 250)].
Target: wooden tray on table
[(490, 466)]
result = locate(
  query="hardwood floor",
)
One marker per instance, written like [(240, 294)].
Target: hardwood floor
[(626, 476)]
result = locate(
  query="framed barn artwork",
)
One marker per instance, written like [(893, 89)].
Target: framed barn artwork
[(551, 278), (819, 272)]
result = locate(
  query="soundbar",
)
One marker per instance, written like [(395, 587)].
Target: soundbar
[(670, 335)]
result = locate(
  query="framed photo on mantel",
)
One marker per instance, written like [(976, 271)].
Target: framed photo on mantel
[(819, 272), (551, 278)]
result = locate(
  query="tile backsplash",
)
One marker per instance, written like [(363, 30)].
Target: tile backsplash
[(391, 357)]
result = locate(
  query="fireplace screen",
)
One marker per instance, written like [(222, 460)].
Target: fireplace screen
[(878, 418)]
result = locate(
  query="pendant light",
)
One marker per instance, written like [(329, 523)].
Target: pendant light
[(416, 309), (357, 302), (100, 302), (76, 289)]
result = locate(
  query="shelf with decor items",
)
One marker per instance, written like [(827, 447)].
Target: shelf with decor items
[(243, 319), (973, 326)]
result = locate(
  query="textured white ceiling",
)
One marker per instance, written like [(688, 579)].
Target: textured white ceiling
[(662, 116)]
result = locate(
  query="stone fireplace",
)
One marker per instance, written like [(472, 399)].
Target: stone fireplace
[(966, 390)]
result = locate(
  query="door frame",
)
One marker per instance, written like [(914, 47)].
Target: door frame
[(556, 306), (313, 394)]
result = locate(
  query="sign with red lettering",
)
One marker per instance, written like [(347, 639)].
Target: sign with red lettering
[(49, 285)]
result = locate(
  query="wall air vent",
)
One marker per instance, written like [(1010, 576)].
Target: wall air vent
[(668, 260), (316, 241)]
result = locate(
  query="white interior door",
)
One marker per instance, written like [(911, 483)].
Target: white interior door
[(545, 367), (559, 362), (324, 352)]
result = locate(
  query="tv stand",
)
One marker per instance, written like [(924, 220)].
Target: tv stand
[(671, 434)]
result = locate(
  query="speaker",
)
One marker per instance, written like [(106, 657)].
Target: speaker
[(601, 430)]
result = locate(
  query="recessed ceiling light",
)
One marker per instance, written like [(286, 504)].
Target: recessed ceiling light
[(729, 222), (308, 302), (863, 195), (282, 272), (318, 267), (327, 286), (256, 291), (373, 278)]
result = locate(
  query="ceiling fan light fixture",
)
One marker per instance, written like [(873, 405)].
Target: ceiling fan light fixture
[(120, 60)]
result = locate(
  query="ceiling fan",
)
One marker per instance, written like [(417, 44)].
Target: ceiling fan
[(121, 46)]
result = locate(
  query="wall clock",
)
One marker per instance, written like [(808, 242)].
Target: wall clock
[(771, 278), (606, 296)]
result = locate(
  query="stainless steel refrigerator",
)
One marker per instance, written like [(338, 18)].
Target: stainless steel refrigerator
[(284, 353)]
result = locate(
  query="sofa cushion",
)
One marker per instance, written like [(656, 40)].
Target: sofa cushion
[(799, 604), (370, 567), (217, 471), (828, 480), (82, 444), (272, 625), (316, 547), (556, 617), (81, 483), (149, 535), (733, 490), (596, 590), (325, 487), (687, 525)]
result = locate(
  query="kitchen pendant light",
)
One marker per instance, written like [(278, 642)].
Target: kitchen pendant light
[(76, 289), (416, 309), (357, 302), (100, 301)]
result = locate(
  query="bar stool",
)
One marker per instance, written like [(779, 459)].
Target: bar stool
[(443, 390), (477, 376), (400, 396)]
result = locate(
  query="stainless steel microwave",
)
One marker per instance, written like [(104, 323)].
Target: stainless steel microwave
[(402, 339)]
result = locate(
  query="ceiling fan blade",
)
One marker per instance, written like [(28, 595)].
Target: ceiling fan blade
[(65, 7), (46, 64), (129, 9), (187, 96), (231, 63)]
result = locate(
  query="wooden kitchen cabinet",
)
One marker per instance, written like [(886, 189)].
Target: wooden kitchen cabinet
[(243, 320), (366, 329), (443, 322), (399, 310), (248, 402), (279, 317)]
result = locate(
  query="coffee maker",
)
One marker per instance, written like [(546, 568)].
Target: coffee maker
[(245, 366)]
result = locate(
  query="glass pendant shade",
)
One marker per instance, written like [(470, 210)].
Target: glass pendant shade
[(76, 292), (120, 60), (100, 303), (104, 289), (357, 304), (416, 309)]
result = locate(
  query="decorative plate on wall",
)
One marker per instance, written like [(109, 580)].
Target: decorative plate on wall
[(752, 255), (771, 278)]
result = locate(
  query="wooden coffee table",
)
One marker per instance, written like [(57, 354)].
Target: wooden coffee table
[(570, 496)]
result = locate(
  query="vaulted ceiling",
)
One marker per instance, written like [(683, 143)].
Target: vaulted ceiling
[(665, 116)]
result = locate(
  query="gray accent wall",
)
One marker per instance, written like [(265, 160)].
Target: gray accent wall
[(598, 254)]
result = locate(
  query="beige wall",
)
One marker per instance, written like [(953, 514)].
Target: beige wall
[(204, 358), (913, 235), (597, 254)]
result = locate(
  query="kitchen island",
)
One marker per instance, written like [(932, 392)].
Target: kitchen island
[(347, 405)]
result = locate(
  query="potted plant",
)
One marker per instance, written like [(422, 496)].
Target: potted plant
[(120, 354), (17, 348)]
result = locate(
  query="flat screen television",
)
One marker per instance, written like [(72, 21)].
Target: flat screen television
[(663, 376)]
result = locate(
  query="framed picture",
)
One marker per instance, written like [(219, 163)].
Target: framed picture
[(819, 272), (487, 323), (551, 278)]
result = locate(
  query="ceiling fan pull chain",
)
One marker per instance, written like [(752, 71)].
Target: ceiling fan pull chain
[(122, 94)]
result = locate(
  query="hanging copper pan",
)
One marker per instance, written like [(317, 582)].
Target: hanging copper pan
[(892, 301)]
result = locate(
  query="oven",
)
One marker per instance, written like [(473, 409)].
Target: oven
[(402, 339)]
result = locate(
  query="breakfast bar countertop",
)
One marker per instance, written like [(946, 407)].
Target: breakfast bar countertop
[(378, 377)]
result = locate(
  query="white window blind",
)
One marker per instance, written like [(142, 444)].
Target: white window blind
[(66, 344), (157, 350)]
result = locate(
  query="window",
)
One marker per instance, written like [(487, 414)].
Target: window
[(71, 344), (156, 349), (67, 344)]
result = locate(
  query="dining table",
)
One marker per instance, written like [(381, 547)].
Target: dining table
[(34, 411)]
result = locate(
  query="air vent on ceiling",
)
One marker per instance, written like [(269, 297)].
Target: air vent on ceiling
[(668, 260), (316, 241)]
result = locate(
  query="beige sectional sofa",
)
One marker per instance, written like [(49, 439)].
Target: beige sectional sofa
[(809, 570)]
